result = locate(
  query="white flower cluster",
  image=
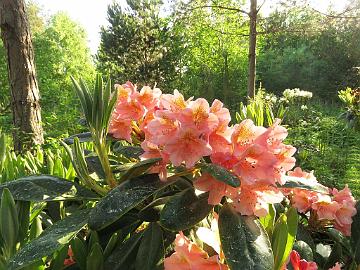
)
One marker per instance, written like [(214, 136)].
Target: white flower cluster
[(270, 98), (296, 93)]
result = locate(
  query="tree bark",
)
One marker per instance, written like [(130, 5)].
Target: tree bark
[(25, 97), (252, 48)]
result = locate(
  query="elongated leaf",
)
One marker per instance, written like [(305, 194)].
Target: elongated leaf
[(184, 210), (47, 188), (244, 241), (9, 223), (123, 257), (221, 174), (52, 239), (128, 151), (268, 221), (23, 209), (80, 253), (111, 244), (95, 260), (296, 182), (292, 224), (123, 198), (279, 240), (151, 249), (139, 168)]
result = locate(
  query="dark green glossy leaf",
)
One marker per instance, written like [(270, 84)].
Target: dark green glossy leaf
[(123, 257), (47, 188), (80, 253), (221, 174), (244, 241), (338, 237), (83, 137), (95, 259), (139, 168), (52, 239), (335, 256), (184, 210), (151, 249), (304, 250), (23, 209), (151, 212), (296, 182), (279, 240), (304, 235), (94, 165), (9, 223), (128, 151), (123, 198)]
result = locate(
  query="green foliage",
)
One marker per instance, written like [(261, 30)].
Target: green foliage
[(324, 145), (305, 49), (244, 240), (52, 239), (138, 44), (60, 47), (263, 109), (190, 209), (351, 99)]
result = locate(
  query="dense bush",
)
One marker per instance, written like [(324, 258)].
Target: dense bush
[(174, 186)]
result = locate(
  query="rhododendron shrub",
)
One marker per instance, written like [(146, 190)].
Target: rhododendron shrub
[(172, 183)]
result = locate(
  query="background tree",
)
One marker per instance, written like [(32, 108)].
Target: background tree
[(26, 111), (214, 59), (137, 44), (310, 50), (61, 50)]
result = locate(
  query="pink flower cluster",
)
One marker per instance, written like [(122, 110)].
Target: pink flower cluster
[(335, 206), (183, 131), (189, 256)]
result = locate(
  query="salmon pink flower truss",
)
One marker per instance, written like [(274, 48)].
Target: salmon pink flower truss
[(188, 256), (183, 131)]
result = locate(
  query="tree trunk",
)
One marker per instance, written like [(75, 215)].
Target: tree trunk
[(26, 110), (252, 49)]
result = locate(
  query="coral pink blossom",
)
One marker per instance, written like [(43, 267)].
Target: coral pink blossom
[(343, 216), (256, 165), (153, 151), (188, 256), (244, 135), (299, 264), (162, 127), (149, 98), (132, 106), (187, 147), (121, 129), (197, 115), (175, 102), (325, 208), (302, 199), (223, 114), (217, 189), (255, 200)]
